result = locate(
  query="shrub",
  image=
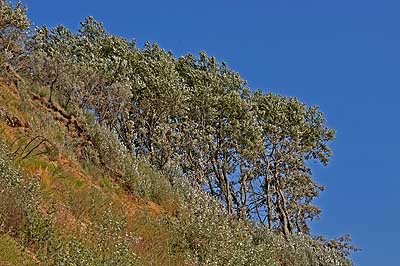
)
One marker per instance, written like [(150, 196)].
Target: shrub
[(18, 196)]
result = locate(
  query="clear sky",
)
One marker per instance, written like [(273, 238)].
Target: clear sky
[(343, 55)]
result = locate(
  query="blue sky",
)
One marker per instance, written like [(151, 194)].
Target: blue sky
[(343, 55)]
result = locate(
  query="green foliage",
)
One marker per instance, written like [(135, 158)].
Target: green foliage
[(18, 196), (292, 136), (13, 27), (105, 244), (212, 238), (136, 175)]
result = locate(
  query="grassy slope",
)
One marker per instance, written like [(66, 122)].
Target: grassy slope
[(83, 201)]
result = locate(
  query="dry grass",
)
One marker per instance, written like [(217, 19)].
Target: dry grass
[(77, 198), (12, 254)]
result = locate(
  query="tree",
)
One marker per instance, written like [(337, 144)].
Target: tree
[(87, 69), (150, 126), (52, 61), (14, 25), (293, 135), (215, 109)]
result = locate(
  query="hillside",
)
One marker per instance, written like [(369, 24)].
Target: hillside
[(62, 206), (115, 155)]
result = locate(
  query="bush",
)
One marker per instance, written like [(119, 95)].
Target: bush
[(137, 176), (18, 196)]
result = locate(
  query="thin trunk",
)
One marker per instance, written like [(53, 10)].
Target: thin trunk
[(269, 202), (256, 204), (282, 214), (229, 203), (51, 90), (243, 195), (281, 204), (212, 191), (223, 182), (268, 193)]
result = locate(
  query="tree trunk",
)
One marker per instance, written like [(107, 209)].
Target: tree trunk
[(282, 215), (269, 202)]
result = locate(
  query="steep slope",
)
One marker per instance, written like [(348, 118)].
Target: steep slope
[(71, 196)]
